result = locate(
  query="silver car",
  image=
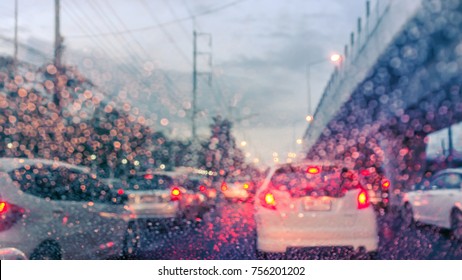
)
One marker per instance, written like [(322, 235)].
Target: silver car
[(54, 210)]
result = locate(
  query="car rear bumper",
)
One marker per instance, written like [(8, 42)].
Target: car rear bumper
[(279, 241), (155, 211), (236, 195), (274, 236)]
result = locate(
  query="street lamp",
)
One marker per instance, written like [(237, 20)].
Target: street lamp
[(335, 58), (309, 117)]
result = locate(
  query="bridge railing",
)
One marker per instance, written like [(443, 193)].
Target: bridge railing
[(352, 51), (383, 22)]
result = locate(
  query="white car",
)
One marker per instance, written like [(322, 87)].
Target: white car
[(439, 202), (156, 196), (237, 189), (150, 196), (54, 210), (311, 205)]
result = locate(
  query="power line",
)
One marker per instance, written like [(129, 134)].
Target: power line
[(87, 27), (29, 48), (207, 12), (108, 48), (135, 55), (219, 82), (172, 40), (218, 101), (170, 83), (169, 37), (110, 23), (172, 11)]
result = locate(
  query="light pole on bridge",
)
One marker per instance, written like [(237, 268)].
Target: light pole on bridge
[(335, 58)]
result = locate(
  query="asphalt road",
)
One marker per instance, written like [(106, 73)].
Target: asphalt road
[(228, 233)]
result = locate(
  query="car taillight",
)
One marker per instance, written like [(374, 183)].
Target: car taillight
[(313, 170), (175, 194), (9, 215), (363, 200), (224, 187), (385, 184), (268, 201), (3, 207), (365, 172), (148, 176)]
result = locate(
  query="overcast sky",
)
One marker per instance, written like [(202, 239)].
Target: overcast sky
[(260, 50)]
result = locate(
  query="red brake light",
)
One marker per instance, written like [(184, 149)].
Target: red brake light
[(313, 170), (386, 184), (268, 201), (3, 207), (224, 187), (363, 200), (175, 193), (9, 215), (365, 172), (148, 176)]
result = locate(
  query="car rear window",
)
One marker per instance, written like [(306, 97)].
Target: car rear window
[(371, 176), (61, 183), (149, 182), (312, 180)]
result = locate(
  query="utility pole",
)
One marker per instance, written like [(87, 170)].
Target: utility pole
[(450, 147), (194, 99), (196, 53), (58, 38), (57, 54), (15, 35)]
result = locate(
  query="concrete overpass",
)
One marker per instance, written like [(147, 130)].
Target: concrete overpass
[(400, 80)]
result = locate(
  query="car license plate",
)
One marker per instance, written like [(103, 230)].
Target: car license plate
[(317, 204), (150, 199)]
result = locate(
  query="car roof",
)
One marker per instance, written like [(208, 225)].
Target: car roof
[(8, 164), (156, 173), (449, 170), (315, 163)]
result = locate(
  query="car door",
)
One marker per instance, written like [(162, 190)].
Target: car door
[(417, 200), (442, 199), (76, 235), (108, 215), (40, 222), (425, 205)]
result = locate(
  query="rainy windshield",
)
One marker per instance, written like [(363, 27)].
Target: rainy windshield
[(231, 130)]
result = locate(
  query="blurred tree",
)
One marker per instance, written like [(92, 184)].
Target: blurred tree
[(84, 129), (220, 153)]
